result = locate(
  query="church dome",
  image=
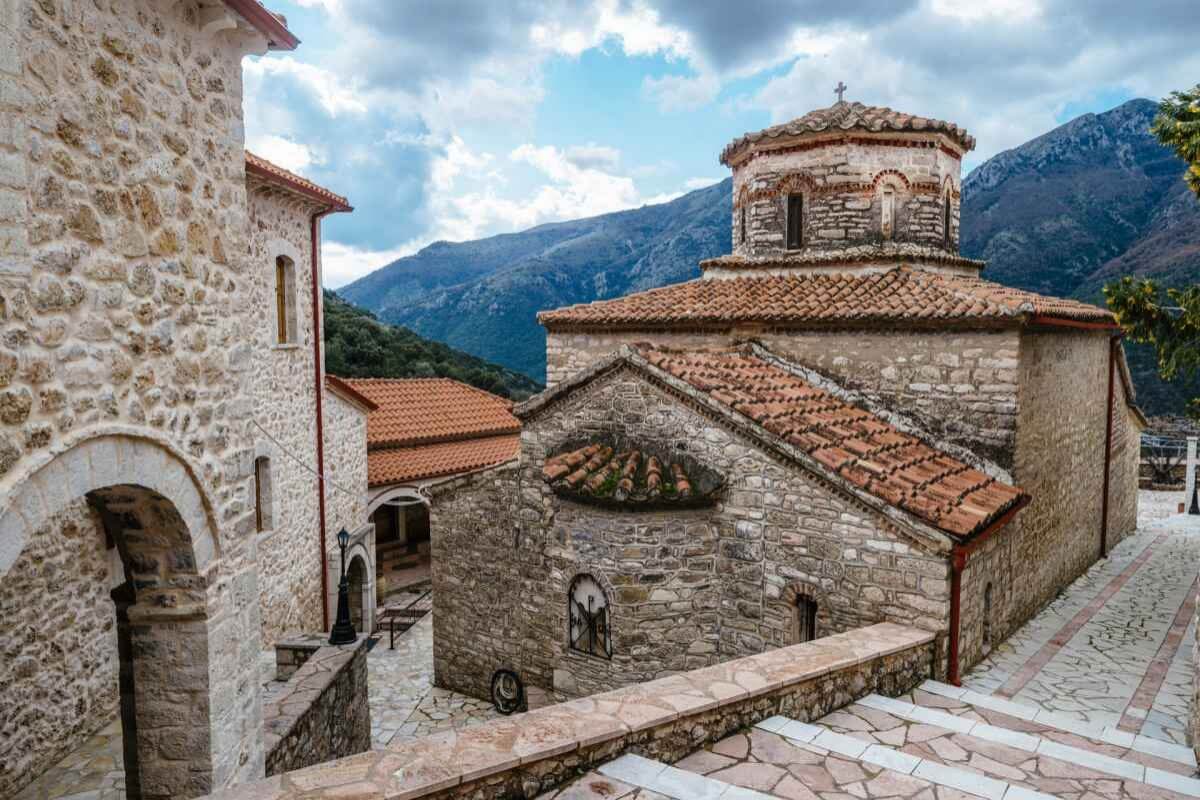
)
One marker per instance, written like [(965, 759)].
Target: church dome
[(842, 117)]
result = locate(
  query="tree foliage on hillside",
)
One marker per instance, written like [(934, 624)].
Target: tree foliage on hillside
[(1178, 126), (1168, 319), (357, 345)]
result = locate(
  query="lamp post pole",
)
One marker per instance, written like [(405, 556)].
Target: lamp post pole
[(343, 629)]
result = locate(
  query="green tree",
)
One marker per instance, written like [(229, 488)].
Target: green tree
[(1168, 319), (1177, 126)]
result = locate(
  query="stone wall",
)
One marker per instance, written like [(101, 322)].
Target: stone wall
[(1125, 464), (289, 552), (58, 642), (527, 755), (686, 588), (960, 386), (1060, 461), (346, 462), (122, 257), (841, 183), (322, 714)]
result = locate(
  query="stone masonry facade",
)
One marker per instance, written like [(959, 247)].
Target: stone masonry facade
[(686, 588), (135, 327)]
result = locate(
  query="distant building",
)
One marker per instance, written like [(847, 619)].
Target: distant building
[(423, 434), (838, 424)]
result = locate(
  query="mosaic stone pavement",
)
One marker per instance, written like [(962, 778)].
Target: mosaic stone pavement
[(1114, 648)]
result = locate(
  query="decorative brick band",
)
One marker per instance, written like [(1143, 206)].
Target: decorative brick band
[(923, 144), (804, 183), (525, 755)]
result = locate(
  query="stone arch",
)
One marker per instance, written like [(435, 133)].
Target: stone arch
[(795, 182), (894, 177), (152, 507), (396, 493), (360, 585), (588, 631)]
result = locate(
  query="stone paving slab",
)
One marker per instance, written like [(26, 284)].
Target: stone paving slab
[(1114, 649)]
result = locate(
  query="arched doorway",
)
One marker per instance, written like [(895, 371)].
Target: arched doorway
[(356, 576), (402, 542), (143, 536)]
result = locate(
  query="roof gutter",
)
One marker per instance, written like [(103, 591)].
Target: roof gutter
[(960, 554)]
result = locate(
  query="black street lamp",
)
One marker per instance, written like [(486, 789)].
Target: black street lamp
[(343, 629)]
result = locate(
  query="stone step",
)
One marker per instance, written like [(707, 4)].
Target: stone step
[(1028, 760), (643, 773), (1106, 734)]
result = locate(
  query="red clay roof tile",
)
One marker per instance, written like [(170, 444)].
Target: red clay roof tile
[(427, 410), (895, 466), (899, 296), (403, 464), (257, 165)]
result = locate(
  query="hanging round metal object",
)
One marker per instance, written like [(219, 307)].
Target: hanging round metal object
[(508, 692)]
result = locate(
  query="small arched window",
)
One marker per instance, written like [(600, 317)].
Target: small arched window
[(887, 207), (742, 225), (987, 618), (285, 301), (795, 221), (587, 613), (805, 619), (946, 220), (262, 495)]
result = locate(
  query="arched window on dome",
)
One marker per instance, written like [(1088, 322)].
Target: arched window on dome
[(742, 225), (946, 237), (795, 221), (887, 208)]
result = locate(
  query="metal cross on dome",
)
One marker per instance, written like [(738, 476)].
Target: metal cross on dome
[(840, 90)]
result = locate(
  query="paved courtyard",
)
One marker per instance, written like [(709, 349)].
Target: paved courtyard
[(1089, 700)]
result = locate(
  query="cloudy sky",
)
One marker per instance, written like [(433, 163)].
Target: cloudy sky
[(457, 119)]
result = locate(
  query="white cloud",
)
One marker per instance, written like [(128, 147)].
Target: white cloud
[(682, 93), (691, 184), (593, 155), (288, 154), (343, 263)]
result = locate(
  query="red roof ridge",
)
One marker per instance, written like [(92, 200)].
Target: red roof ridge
[(273, 173), (341, 385)]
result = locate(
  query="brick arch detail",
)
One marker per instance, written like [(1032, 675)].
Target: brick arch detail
[(891, 175)]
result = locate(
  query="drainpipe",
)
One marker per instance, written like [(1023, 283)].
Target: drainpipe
[(960, 554), (1113, 344), (319, 384)]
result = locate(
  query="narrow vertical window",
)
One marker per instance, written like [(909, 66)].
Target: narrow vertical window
[(888, 210), (281, 315), (806, 619), (742, 225), (987, 618), (946, 220), (795, 221), (262, 494)]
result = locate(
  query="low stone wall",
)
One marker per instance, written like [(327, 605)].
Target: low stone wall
[(524, 755), (322, 714), (292, 654)]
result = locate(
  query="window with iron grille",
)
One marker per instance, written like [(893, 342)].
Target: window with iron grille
[(587, 613)]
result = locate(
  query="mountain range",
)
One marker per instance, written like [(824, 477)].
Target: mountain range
[(1090, 201)]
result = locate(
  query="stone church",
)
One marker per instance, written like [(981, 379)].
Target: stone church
[(838, 424), (166, 427)]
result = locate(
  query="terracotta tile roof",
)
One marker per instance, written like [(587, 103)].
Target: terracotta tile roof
[(860, 447), (403, 464), (336, 384), (898, 296), (273, 173), (631, 478), (427, 410), (849, 117), (269, 24)]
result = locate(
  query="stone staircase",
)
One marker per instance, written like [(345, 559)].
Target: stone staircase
[(938, 742)]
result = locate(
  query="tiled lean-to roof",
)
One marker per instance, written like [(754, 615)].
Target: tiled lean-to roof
[(427, 410), (629, 478), (857, 445), (901, 295), (273, 173), (405, 464), (846, 117), (430, 427)]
